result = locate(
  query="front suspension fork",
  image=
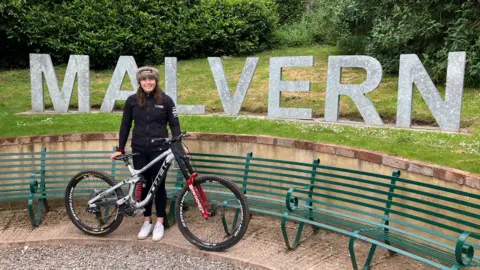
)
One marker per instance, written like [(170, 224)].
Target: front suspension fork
[(199, 196)]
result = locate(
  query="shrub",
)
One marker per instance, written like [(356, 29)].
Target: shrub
[(386, 29), (290, 11), (148, 30)]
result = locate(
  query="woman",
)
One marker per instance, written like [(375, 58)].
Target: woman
[(151, 109)]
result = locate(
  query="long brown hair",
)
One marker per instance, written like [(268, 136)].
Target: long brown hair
[(157, 94)]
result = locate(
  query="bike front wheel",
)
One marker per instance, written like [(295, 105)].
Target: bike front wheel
[(98, 221), (227, 209)]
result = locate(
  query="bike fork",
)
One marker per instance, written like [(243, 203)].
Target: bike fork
[(199, 196)]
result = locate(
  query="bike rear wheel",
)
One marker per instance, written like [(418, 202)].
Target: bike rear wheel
[(228, 209), (84, 186)]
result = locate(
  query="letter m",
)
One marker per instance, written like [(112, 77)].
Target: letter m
[(41, 66)]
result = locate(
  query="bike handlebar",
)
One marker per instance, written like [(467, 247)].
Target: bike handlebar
[(171, 140), (125, 156)]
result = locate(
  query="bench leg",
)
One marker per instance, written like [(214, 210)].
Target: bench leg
[(370, 256), (45, 203), (47, 207), (224, 220), (169, 220), (390, 252), (42, 206), (315, 229), (351, 249), (234, 223), (103, 218), (225, 226), (285, 234)]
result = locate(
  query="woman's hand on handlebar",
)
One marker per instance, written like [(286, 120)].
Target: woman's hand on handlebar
[(115, 154), (187, 152)]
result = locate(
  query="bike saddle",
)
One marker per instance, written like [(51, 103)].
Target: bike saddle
[(126, 156)]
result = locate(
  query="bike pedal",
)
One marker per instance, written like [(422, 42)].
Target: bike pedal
[(138, 211)]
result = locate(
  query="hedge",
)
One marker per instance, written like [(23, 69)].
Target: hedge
[(148, 30)]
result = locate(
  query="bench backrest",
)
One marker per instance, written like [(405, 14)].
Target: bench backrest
[(53, 170), (265, 182), (371, 199), (16, 170), (412, 206)]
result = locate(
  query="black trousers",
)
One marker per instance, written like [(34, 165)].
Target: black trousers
[(139, 161)]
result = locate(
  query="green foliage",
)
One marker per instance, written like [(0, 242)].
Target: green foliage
[(148, 30), (386, 29), (315, 26), (296, 34), (234, 27), (290, 11)]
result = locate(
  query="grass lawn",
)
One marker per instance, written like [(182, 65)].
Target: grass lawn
[(196, 86)]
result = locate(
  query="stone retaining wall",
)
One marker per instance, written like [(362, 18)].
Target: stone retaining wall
[(261, 146)]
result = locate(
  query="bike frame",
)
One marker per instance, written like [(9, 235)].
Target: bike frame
[(169, 156)]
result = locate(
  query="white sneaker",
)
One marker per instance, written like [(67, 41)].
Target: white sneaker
[(145, 230), (158, 232)]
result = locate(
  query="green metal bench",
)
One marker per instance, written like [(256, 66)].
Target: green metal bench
[(433, 224), (404, 216), (401, 215), (37, 177), (21, 176)]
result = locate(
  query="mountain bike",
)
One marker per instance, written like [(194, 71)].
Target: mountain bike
[(96, 203)]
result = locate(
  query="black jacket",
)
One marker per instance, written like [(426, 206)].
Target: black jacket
[(150, 122)]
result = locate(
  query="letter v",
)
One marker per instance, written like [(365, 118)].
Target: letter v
[(232, 106)]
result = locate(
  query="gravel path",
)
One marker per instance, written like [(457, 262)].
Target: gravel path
[(103, 257), (58, 244)]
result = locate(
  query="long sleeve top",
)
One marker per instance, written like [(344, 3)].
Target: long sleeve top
[(149, 122)]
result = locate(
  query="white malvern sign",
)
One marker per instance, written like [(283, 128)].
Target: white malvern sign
[(447, 112)]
